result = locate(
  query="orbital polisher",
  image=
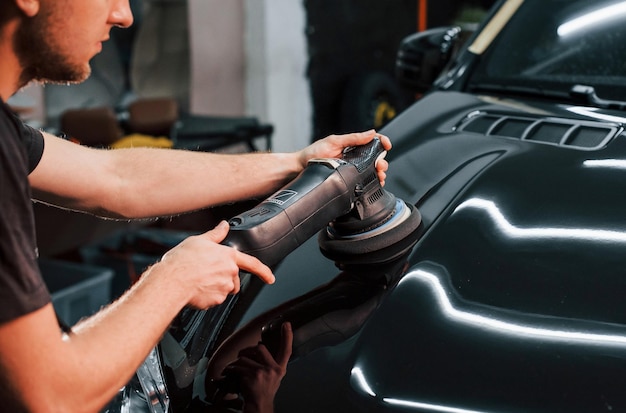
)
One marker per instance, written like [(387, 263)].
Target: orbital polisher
[(342, 199), (363, 228)]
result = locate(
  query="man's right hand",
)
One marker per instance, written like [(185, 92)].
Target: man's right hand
[(209, 270)]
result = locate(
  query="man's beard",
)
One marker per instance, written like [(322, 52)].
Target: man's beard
[(40, 59)]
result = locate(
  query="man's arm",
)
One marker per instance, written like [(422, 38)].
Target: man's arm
[(149, 182), (82, 371)]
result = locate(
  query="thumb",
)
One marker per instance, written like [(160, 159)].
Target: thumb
[(218, 233)]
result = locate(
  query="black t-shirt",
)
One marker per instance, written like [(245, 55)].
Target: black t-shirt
[(22, 289)]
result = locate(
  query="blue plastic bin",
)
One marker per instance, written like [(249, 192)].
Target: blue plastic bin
[(77, 290)]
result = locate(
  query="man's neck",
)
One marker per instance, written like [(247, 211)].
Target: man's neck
[(10, 68)]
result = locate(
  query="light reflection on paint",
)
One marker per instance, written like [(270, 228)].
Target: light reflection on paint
[(515, 232), (500, 326), (361, 381), (596, 17), (428, 406), (592, 113), (605, 163), (359, 377)]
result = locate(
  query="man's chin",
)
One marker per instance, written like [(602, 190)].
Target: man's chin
[(66, 77)]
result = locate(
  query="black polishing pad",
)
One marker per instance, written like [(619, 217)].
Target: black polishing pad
[(384, 243)]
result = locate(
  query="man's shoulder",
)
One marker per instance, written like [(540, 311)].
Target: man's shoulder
[(15, 133)]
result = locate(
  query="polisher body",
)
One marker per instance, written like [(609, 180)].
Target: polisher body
[(344, 194)]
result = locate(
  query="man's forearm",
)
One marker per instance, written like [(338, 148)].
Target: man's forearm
[(150, 182), (106, 339), (199, 180), (82, 371)]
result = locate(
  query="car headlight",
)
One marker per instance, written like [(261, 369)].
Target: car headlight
[(146, 392), (152, 382)]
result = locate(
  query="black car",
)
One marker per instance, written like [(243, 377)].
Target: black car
[(507, 293)]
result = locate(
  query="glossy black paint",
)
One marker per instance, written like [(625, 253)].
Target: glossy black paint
[(513, 301)]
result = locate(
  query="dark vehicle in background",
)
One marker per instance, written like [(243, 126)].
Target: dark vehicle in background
[(352, 81), (512, 298)]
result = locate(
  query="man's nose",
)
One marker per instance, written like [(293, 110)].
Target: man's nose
[(121, 14)]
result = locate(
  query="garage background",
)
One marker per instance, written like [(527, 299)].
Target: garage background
[(352, 47)]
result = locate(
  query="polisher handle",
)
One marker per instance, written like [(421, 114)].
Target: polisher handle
[(292, 215), (364, 156)]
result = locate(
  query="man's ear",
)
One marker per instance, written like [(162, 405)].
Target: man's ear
[(29, 7)]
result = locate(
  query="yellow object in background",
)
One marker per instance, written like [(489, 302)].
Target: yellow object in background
[(136, 140)]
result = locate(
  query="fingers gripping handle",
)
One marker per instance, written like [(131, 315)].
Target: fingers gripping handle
[(361, 157), (364, 156)]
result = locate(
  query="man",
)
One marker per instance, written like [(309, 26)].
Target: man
[(41, 368)]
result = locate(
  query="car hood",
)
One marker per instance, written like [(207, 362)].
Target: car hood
[(512, 299)]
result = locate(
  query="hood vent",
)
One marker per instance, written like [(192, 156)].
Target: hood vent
[(576, 134)]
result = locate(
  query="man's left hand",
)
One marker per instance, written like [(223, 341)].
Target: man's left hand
[(333, 146)]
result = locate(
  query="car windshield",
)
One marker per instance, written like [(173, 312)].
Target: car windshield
[(551, 45)]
